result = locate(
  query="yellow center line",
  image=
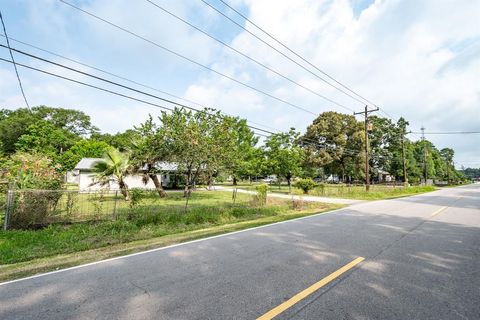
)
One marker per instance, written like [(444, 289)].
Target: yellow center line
[(437, 212), (305, 293)]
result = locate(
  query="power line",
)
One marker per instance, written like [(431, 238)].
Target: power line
[(291, 51), (450, 132), (188, 59), (120, 94), (295, 53), (254, 129), (14, 64), (121, 77), (283, 54), (247, 56), (112, 82)]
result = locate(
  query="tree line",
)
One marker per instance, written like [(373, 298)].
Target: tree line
[(208, 146)]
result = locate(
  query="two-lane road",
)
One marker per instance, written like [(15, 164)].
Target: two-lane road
[(422, 261)]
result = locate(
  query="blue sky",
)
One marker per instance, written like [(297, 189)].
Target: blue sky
[(417, 59)]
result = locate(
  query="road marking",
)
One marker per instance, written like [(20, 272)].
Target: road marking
[(437, 212), (305, 293)]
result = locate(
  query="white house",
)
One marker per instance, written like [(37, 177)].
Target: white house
[(85, 177)]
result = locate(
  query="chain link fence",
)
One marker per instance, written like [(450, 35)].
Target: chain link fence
[(33, 209)]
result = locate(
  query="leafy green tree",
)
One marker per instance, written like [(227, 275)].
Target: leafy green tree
[(114, 165), (82, 149), (201, 142), (123, 141), (284, 157), (74, 121), (447, 155), (149, 149), (15, 123), (45, 138), (244, 156), (335, 142), (471, 173)]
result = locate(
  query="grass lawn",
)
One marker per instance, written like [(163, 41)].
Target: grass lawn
[(152, 223), (377, 192)]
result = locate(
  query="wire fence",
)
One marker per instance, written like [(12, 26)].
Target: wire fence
[(33, 209)]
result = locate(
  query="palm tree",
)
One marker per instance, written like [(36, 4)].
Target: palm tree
[(114, 165)]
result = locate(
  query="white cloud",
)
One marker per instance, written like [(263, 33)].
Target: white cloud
[(397, 53)]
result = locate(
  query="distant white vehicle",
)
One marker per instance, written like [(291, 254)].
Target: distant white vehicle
[(270, 179)]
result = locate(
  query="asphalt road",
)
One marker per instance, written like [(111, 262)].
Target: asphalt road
[(422, 261)]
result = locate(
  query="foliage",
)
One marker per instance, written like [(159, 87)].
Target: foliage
[(202, 142), (283, 156), (43, 137), (114, 165), (471, 173), (68, 124), (31, 208), (305, 185), (261, 196), (30, 171), (148, 150), (25, 245), (87, 148), (246, 159), (335, 142), (123, 141)]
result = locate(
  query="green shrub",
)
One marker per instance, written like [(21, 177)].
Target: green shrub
[(306, 185), (261, 196)]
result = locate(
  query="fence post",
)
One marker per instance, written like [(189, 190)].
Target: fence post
[(234, 195), (115, 205), (8, 206)]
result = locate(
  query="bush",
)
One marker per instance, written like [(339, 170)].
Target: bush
[(306, 185), (31, 171), (261, 196), (33, 209)]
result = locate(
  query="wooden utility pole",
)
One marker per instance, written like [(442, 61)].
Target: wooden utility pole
[(405, 178), (365, 114), (425, 175)]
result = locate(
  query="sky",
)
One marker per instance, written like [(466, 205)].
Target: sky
[(415, 59)]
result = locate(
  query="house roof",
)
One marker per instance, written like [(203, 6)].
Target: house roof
[(87, 164), (166, 166), (380, 171)]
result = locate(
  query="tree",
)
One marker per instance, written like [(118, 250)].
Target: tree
[(201, 142), (447, 155), (74, 121), (243, 158), (15, 123), (335, 142), (82, 149), (123, 141), (149, 149), (45, 138), (114, 165), (284, 156)]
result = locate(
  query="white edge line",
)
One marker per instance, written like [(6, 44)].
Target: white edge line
[(167, 247)]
